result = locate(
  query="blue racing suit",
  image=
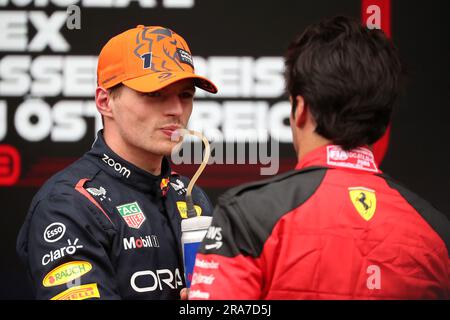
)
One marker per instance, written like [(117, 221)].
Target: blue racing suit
[(104, 228)]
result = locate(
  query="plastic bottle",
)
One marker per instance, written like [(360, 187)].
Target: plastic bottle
[(193, 230)]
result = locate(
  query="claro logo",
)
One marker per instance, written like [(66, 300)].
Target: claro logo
[(116, 166), (54, 255), (147, 280)]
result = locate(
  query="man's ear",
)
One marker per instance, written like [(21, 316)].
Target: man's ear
[(301, 111), (102, 100)]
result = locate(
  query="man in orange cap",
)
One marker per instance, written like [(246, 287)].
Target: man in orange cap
[(108, 226)]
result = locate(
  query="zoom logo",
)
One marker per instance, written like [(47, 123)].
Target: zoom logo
[(116, 166), (10, 164)]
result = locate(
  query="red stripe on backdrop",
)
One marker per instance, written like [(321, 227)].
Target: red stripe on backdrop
[(43, 169), (231, 175), (11, 165), (378, 13), (214, 176)]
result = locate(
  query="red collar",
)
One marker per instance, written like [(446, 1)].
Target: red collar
[(332, 156)]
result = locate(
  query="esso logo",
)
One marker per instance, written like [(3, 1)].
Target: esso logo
[(54, 232)]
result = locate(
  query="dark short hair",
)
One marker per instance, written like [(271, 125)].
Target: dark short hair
[(349, 76), (115, 90)]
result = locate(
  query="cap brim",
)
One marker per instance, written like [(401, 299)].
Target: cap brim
[(156, 81)]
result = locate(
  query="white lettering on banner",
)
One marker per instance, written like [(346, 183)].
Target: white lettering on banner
[(70, 76), (245, 120), (36, 109), (35, 120), (14, 79), (154, 280), (241, 121), (14, 33), (175, 4), (74, 76), (48, 31), (45, 71), (78, 74), (3, 119), (71, 124), (178, 3), (243, 76)]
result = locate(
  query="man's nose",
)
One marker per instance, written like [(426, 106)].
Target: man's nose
[(174, 106)]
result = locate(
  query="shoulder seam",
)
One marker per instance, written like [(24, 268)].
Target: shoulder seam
[(429, 219), (253, 185)]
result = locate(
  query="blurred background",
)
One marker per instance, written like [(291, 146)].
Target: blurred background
[(48, 77)]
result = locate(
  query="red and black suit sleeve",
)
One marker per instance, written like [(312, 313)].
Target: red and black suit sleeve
[(230, 263)]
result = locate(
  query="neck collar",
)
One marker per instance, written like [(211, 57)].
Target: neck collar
[(123, 170), (333, 156)]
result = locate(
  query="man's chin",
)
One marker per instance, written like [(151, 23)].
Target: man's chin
[(165, 148)]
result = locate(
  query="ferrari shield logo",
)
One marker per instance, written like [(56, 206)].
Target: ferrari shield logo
[(132, 214), (364, 200)]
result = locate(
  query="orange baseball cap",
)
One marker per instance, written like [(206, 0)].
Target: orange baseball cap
[(147, 59)]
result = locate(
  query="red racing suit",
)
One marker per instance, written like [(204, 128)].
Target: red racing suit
[(334, 228)]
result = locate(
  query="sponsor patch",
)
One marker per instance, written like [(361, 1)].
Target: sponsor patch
[(98, 192), (201, 278), (198, 294), (204, 264), (360, 158), (364, 200), (214, 233), (83, 292), (179, 187), (138, 243), (66, 273), (118, 167), (54, 232), (54, 255), (164, 185), (148, 280), (182, 208), (185, 57), (132, 214)]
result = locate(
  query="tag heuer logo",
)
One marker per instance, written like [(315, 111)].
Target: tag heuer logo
[(132, 214)]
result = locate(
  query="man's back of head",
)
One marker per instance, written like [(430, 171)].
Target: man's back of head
[(349, 77)]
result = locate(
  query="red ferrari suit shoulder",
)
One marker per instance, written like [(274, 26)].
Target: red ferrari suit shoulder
[(335, 228)]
